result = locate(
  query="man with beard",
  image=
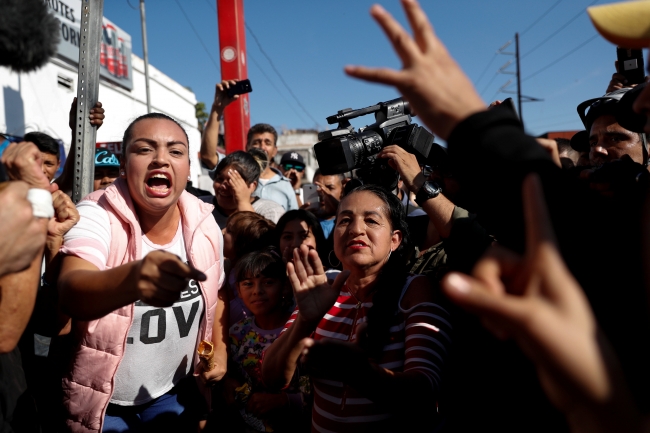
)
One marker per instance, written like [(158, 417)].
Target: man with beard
[(292, 165), (608, 140)]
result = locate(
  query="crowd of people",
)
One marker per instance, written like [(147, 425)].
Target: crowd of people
[(505, 287)]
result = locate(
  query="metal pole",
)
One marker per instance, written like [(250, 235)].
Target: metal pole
[(87, 95), (521, 114), (143, 22)]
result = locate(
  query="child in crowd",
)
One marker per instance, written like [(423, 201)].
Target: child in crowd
[(262, 286), (245, 232)]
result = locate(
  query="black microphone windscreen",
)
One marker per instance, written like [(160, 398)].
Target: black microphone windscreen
[(29, 34)]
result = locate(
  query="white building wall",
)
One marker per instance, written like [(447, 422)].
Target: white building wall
[(36, 102)]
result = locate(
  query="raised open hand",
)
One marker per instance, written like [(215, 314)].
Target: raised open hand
[(312, 292), (430, 79)]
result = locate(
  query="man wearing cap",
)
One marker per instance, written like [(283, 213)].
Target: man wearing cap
[(606, 140), (107, 168), (292, 165)]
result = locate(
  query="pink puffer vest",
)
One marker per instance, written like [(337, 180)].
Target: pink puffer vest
[(100, 344)]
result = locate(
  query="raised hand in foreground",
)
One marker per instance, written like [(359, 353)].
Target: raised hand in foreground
[(433, 83), (535, 300)]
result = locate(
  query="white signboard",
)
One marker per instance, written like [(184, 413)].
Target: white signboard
[(115, 57)]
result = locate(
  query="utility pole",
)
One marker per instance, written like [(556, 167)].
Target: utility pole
[(92, 12), (521, 115), (520, 98), (145, 52), (234, 66)]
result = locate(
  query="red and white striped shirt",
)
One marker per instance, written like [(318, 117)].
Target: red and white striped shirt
[(419, 340)]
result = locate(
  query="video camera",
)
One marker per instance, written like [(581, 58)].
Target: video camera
[(342, 149)]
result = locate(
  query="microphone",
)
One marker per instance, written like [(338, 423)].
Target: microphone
[(29, 34)]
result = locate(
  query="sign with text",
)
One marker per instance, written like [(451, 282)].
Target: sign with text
[(115, 57)]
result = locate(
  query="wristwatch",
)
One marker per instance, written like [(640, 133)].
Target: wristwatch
[(429, 190)]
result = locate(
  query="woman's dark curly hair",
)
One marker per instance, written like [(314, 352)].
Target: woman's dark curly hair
[(392, 277)]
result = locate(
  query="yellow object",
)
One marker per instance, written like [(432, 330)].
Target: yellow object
[(625, 24), (206, 354)]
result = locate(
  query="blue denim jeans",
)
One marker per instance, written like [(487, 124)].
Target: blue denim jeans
[(174, 411)]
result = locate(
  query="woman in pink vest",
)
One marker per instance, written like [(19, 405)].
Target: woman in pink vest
[(140, 280)]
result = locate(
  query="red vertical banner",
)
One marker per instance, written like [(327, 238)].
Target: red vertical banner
[(234, 65)]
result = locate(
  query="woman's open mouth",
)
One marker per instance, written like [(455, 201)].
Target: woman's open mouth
[(159, 184)]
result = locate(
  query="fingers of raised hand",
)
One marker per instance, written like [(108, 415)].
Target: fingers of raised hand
[(422, 30), (314, 262), (293, 277), (539, 229), (386, 76), (306, 262), (402, 42), (474, 296), (497, 269), (298, 268)]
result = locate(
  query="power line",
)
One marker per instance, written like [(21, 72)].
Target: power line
[(487, 86), (562, 27), (280, 75), (561, 58), (252, 59), (276, 71), (197, 36), (129, 2), (540, 17), (486, 68)]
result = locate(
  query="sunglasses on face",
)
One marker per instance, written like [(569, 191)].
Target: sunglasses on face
[(298, 168)]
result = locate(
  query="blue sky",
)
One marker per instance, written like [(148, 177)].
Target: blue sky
[(310, 42)]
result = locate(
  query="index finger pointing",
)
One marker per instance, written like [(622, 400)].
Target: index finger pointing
[(539, 228), (176, 267)]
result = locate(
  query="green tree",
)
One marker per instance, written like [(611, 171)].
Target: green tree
[(201, 115)]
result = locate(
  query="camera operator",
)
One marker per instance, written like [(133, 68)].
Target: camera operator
[(608, 140), (450, 238)]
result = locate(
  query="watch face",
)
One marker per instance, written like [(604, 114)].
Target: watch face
[(432, 188)]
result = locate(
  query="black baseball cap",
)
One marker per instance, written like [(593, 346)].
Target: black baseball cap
[(292, 158)]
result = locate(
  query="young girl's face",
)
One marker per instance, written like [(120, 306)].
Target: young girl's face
[(296, 233), (262, 295), (228, 244)]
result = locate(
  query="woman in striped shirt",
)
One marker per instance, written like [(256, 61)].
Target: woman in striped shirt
[(374, 342)]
